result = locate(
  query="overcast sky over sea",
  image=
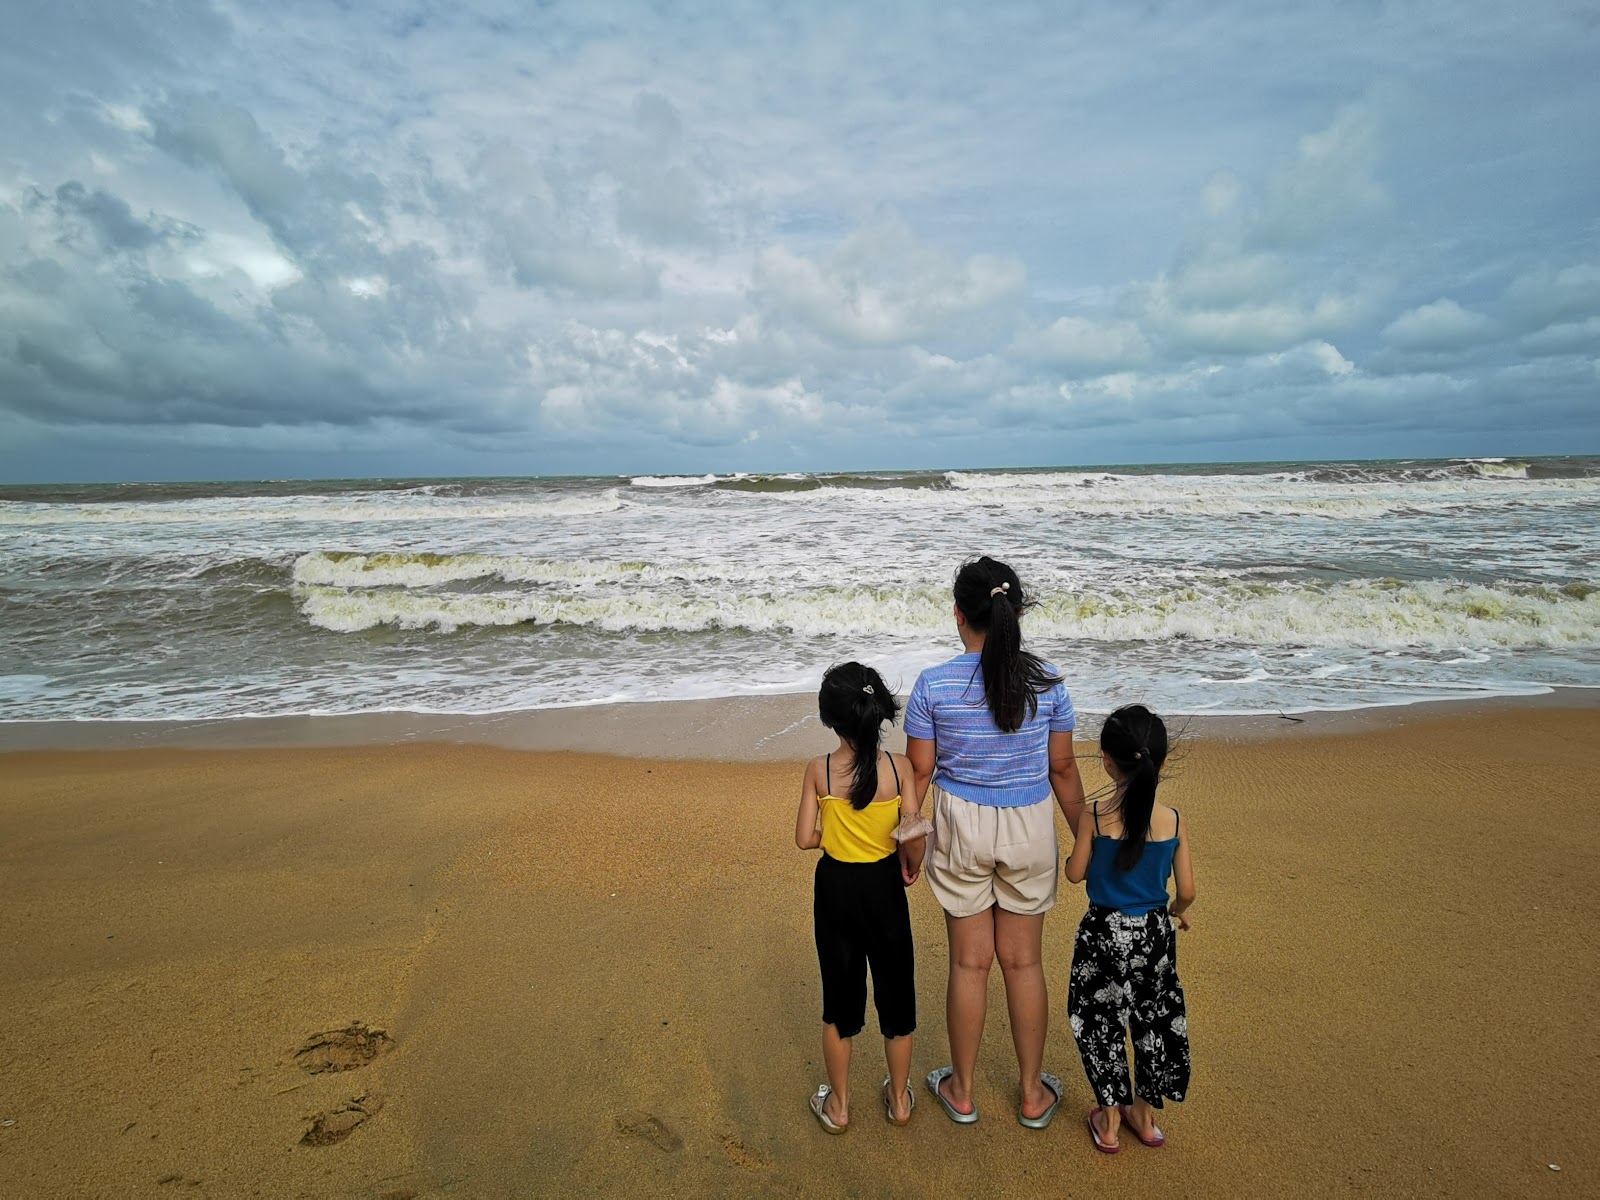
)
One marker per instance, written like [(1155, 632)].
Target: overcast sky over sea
[(365, 239)]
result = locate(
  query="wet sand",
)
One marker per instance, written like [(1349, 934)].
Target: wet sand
[(596, 975)]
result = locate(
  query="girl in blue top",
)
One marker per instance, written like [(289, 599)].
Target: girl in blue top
[(1125, 961)]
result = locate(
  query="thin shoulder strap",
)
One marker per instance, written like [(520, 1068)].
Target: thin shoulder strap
[(827, 767), (896, 771), (1177, 822), (1094, 811)]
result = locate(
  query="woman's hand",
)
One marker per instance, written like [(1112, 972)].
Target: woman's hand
[(1179, 919), (909, 872)]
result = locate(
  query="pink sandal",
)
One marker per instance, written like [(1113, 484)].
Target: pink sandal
[(1103, 1147), (1155, 1141)]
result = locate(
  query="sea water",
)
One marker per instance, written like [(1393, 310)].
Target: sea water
[(1198, 589)]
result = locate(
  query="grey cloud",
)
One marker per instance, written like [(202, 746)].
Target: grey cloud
[(111, 219), (572, 228)]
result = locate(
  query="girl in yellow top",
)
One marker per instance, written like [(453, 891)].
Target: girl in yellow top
[(859, 906)]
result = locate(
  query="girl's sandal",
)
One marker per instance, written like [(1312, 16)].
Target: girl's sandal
[(1155, 1141), (1094, 1132), (818, 1099), (888, 1109)]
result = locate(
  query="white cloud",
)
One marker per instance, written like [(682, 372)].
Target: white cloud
[(1248, 328), (1079, 343), (1442, 325), (879, 287), (1329, 183)]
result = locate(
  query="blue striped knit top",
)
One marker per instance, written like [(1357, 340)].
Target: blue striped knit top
[(973, 758)]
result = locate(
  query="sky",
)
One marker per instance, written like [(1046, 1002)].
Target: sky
[(369, 239)]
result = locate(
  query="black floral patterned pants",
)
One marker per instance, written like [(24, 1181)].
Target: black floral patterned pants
[(1125, 981)]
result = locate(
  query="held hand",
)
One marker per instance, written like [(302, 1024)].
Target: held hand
[(1179, 919), (909, 874)]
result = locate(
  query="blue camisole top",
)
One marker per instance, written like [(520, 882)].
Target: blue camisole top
[(1135, 892)]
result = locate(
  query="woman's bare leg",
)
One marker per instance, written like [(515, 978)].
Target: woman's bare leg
[(1019, 944), (966, 999)]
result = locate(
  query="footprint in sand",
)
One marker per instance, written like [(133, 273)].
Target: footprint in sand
[(742, 1156), (342, 1049), (651, 1128), (330, 1128)]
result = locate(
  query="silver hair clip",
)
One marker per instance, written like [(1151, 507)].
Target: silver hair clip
[(867, 688), (995, 591)]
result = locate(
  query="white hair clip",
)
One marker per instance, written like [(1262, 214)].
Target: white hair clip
[(867, 688), (995, 591)]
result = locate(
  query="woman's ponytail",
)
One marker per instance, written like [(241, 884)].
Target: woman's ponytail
[(1135, 739), (990, 597), (855, 702)]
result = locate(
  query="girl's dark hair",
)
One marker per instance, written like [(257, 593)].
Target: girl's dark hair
[(855, 702), (1135, 739), (990, 597)]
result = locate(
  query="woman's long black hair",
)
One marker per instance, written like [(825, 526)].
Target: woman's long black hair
[(1135, 739), (855, 702), (990, 597)]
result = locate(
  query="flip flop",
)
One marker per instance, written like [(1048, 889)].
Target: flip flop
[(888, 1113), (818, 1097), (1044, 1118), (1155, 1142), (1103, 1147), (937, 1076)]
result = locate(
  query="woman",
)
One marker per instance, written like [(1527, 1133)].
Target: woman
[(991, 732)]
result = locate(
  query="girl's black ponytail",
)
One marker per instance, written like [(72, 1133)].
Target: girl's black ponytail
[(855, 702), (990, 597), (1135, 739)]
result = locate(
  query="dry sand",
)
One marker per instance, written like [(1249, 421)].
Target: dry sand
[(597, 976)]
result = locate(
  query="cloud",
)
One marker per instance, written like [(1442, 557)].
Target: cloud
[(588, 236), (879, 287), (1545, 295), (1327, 185), (1078, 343), (1572, 337), (1442, 325)]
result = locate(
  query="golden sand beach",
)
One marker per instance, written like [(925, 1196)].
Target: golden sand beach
[(594, 975)]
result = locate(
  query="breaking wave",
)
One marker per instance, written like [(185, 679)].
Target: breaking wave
[(1366, 613)]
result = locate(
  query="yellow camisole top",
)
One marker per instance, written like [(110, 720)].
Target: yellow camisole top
[(859, 835)]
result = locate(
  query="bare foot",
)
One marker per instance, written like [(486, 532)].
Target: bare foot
[(1141, 1118), (899, 1103), (950, 1096), (1033, 1107), (1106, 1126), (836, 1110)]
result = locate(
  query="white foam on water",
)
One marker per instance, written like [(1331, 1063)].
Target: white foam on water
[(1366, 613), (378, 509), (678, 481), (421, 570), (1308, 587)]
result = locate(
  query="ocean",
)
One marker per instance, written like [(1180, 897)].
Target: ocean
[(1226, 589)]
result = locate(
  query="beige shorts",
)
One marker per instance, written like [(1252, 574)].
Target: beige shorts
[(983, 856)]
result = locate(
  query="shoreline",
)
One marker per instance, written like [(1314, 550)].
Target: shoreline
[(747, 729)]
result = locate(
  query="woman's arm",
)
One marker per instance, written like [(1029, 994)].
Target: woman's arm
[(920, 753), (1082, 846), (1183, 877), (920, 756), (912, 849), (806, 834), (1065, 781)]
